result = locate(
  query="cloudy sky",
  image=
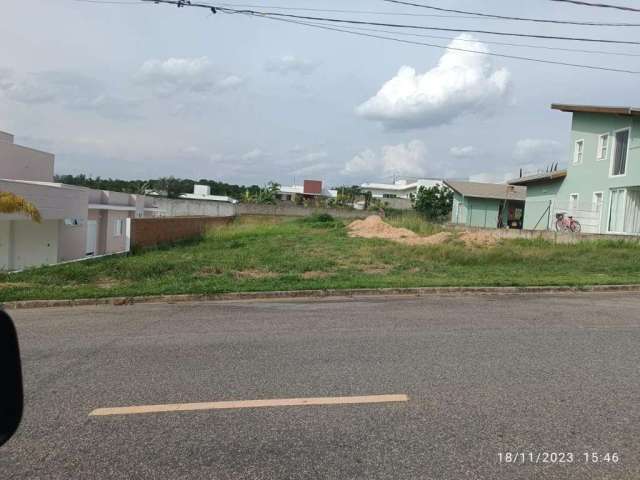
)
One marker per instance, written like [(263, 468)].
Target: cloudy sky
[(135, 90)]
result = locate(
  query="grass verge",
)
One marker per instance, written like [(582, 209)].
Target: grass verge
[(316, 253)]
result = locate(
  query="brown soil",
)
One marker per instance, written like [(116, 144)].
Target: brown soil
[(15, 285), (375, 227), (251, 274), (209, 272), (313, 275)]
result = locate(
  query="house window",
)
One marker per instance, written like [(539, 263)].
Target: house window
[(620, 147), (389, 195), (597, 203), (578, 152), (573, 203), (603, 146), (117, 228)]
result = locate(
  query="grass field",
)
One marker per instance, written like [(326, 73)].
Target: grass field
[(310, 254)]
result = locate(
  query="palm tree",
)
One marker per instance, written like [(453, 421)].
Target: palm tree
[(12, 203)]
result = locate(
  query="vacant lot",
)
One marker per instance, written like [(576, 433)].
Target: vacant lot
[(305, 254)]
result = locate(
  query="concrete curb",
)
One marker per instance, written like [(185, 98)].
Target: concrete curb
[(335, 293)]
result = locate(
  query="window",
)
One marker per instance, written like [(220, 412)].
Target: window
[(597, 203), (389, 195), (620, 147), (117, 228), (578, 152), (603, 146), (573, 203)]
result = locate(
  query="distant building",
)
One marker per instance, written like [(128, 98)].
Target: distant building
[(400, 188), (309, 190), (487, 205), (76, 221), (203, 192)]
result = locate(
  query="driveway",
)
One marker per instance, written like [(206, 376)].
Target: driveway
[(445, 388)]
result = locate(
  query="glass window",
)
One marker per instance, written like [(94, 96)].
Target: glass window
[(579, 151), (117, 228), (620, 153), (603, 146)]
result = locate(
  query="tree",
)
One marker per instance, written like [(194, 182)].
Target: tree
[(11, 203), (434, 203), (268, 193)]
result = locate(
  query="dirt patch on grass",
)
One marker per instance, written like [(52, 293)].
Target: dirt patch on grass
[(315, 275), (376, 269), (15, 285), (254, 274), (479, 239), (107, 282), (209, 272)]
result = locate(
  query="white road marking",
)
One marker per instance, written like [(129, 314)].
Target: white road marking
[(282, 402)]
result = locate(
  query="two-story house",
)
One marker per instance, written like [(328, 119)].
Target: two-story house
[(601, 185)]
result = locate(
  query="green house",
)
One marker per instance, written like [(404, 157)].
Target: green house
[(601, 185), (487, 205)]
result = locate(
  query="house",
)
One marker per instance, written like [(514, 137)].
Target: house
[(601, 185), (399, 189), (76, 221), (203, 192), (309, 190), (487, 205)]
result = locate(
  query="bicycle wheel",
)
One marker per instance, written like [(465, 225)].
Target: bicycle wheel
[(559, 225), (575, 226)]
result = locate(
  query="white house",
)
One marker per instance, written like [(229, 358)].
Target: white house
[(76, 221), (400, 188), (203, 192)]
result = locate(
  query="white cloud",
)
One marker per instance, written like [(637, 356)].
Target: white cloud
[(492, 177), (187, 75), (290, 64), (402, 159), (538, 151), (254, 154), (69, 89), (463, 152), (461, 83)]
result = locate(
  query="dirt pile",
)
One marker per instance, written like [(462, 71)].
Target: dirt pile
[(375, 227)]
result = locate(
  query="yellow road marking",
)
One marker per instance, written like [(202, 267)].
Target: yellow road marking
[(282, 402)]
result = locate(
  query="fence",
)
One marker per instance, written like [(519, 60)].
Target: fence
[(147, 232), (289, 210), (183, 207)]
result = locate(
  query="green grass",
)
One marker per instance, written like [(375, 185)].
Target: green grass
[(317, 253)]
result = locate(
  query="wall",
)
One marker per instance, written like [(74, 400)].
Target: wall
[(539, 196), (289, 210), (34, 244), (5, 239), (147, 232), (592, 175), (398, 203), (114, 243), (179, 207), (22, 163)]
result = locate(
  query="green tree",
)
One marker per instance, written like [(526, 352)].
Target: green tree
[(434, 203)]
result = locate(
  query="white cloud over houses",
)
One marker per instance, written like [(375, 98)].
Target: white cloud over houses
[(461, 83), (401, 159), (288, 64), (463, 152), (184, 75), (538, 151)]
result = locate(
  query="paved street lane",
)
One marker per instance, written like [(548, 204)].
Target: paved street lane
[(482, 376)]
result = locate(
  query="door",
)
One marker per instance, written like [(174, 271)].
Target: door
[(92, 237), (616, 211), (597, 210)]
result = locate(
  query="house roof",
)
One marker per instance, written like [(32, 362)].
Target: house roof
[(628, 111), (539, 178), (497, 191), (399, 186)]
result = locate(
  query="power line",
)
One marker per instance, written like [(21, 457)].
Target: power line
[(490, 42), (109, 2), (599, 5), (338, 10), (445, 47), (182, 3), (523, 19)]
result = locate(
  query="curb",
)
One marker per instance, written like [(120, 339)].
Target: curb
[(333, 293)]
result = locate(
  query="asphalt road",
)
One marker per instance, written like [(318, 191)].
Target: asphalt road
[(484, 375)]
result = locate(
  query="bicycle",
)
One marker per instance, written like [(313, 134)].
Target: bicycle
[(566, 223)]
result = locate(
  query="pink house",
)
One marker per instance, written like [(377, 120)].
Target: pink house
[(76, 222)]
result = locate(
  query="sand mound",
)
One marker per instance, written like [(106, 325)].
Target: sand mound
[(374, 227)]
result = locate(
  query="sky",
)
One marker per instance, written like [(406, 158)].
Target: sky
[(138, 90)]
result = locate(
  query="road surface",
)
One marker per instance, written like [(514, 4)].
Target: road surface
[(484, 377)]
